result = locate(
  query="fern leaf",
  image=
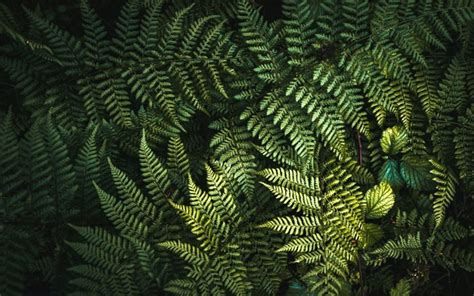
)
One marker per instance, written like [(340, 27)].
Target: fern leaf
[(445, 190), (294, 225), (67, 50), (427, 91), (260, 38), (178, 161), (401, 289), (234, 152), (186, 251), (154, 173), (127, 31)]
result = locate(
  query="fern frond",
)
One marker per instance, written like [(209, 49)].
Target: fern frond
[(63, 184), (292, 179), (426, 90), (133, 198), (349, 99), (102, 248), (10, 172), (445, 190), (173, 32), (261, 40), (294, 225), (294, 199), (401, 289), (299, 30), (404, 247), (127, 31), (322, 111), (464, 147), (188, 252), (146, 256), (154, 173), (67, 50), (122, 219), (273, 140), (201, 226), (148, 38), (88, 168), (233, 150), (113, 91), (178, 161), (294, 123), (452, 90)]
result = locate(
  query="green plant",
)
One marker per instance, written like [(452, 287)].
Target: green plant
[(198, 148)]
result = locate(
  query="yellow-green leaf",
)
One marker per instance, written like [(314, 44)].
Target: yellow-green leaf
[(380, 200)]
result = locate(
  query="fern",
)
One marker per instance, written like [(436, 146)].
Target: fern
[(234, 151), (464, 148), (236, 148), (444, 195), (140, 222), (107, 270), (261, 38), (401, 289), (318, 240), (427, 91), (218, 265), (421, 239)]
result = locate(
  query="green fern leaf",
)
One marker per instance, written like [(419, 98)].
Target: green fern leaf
[(446, 189), (188, 252), (401, 289)]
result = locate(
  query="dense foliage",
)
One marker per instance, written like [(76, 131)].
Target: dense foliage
[(202, 148)]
